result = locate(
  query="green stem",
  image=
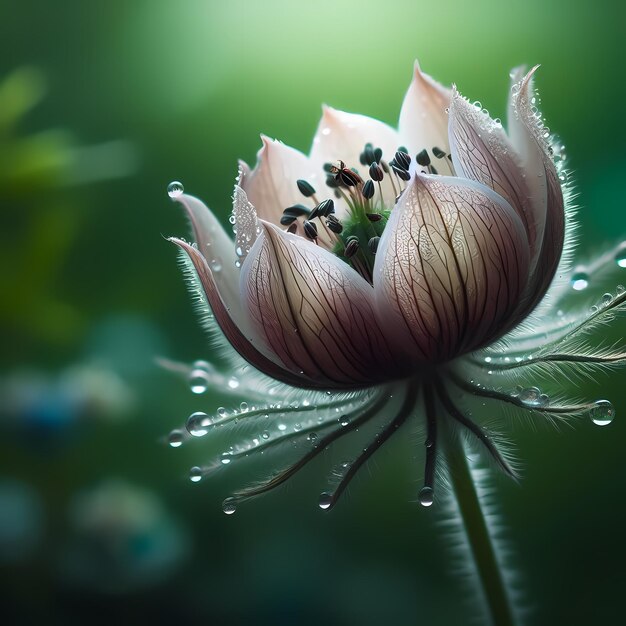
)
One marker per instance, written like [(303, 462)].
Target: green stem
[(481, 546)]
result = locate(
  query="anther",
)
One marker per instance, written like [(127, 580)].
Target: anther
[(310, 230), (368, 155), (352, 247), (349, 178), (306, 189), (378, 154), (292, 213), (323, 209), (332, 182), (334, 224), (402, 160), (422, 158), (374, 217), (372, 244), (376, 172), (438, 152), (368, 189), (401, 172)]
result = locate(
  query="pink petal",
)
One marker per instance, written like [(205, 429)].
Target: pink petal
[(342, 136), (271, 186), (314, 312), (216, 247), (230, 329), (450, 268), (481, 151), (531, 139), (423, 117)]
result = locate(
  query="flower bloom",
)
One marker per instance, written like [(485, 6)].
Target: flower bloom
[(390, 274)]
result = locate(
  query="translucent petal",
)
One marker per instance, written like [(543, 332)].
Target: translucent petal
[(243, 344), (423, 117), (342, 136), (481, 151), (450, 267), (314, 312), (531, 139), (271, 186), (217, 248)]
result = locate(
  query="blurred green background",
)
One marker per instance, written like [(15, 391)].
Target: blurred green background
[(101, 105)]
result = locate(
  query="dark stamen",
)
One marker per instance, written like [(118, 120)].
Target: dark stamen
[(328, 168), (402, 160), (334, 224), (402, 173), (306, 189), (332, 182), (376, 172), (323, 209), (296, 209), (378, 154), (438, 152), (310, 230), (368, 190), (368, 154), (374, 217), (352, 247), (286, 220), (422, 158), (348, 177), (372, 244)]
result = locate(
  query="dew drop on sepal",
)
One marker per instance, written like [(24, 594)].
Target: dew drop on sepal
[(175, 438), (175, 189), (426, 496), (229, 506), (602, 413)]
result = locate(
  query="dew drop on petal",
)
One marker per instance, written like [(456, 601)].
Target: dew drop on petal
[(195, 474), (426, 496), (175, 438), (579, 280), (602, 413), (344, 420), (226, 458), (620, 256), (530, 396), (233, 383), (265, 434), (222, 412), (175, 189), (244, 407), (198, 381), (229, 506), (325, 500), (607, 298), (197, 424)]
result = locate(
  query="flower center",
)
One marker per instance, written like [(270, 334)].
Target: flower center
[(355, 237)]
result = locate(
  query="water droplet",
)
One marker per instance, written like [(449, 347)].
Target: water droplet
[(282, 427), (175, 438), (297, 427), (216, 266), (579, 280), (232, 219), (312, 437), (326, 131), (195, 474), (426, 496), (229, 506), (198, 381), (607, 298), (226, 458), (233, 383), (602, 413), (175, 189), (326, 499), (620, 256), (197, 424), (244, 407), (265, 434), (344, 420), (620, 289), (532, 397), (222, 412)]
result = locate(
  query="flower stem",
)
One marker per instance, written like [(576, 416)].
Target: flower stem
[(475, 526)]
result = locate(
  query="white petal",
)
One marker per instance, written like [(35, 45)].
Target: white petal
[(314, 312), (271, 186), (481, 151), (342, 136), (246, 223), (242, 342), (217, 248), (531, 139), (450, 267), (423, 118)]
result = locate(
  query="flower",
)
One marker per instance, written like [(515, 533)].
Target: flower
[(392, 274)]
